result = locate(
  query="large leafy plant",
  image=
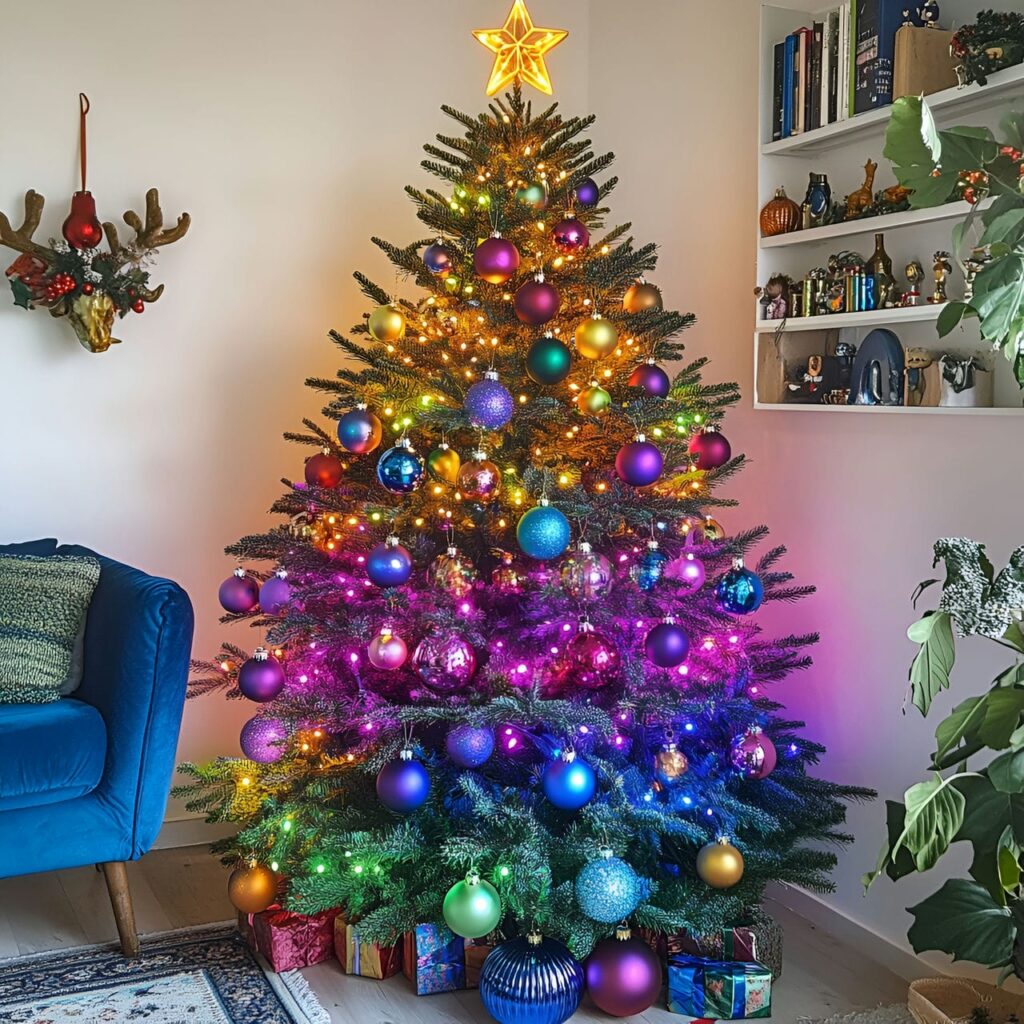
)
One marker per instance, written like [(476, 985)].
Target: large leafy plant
[(971, 163), (980, 918)]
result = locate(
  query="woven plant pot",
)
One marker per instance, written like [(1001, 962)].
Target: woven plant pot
[(951, 1000)]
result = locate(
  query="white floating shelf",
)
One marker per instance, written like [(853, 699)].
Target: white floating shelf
[(911, 410), (872, 225), (836, 321), (949, 101)]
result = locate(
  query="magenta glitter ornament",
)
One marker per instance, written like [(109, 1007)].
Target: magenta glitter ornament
[(496, 259), (570, 235), (753, 754), (652, 378), (623, 975), (387, 650), (261, 678), (445, 663), (263, 739), (639, 463), (239, 593), (275, 594), (536, 302), (710, 449), (687, 572)]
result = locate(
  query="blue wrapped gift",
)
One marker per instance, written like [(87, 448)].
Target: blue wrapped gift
[(719, 989)]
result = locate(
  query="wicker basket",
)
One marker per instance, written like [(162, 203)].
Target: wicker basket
[(951, 1000)]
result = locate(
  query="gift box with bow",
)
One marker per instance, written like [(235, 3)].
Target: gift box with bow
[(718, 989)]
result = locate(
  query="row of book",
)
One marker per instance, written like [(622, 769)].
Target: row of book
[(835, 68)]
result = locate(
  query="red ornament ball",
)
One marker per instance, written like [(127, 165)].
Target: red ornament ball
[(536, 302), (710, 449), (591, 660), (139, 306), (323, 470), (82, 228), (87, 288)]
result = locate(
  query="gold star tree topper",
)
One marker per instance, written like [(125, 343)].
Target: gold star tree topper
[(519, 48)]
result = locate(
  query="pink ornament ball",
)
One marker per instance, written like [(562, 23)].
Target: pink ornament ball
[(687, 572), (753, 754), (239, 593), (710, 449), (623, 976), (496, 260), (570, 235), (387, 651), (536, 302)]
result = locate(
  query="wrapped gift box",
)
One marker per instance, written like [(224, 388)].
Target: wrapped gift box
[(756, 939), (718, 989), (357, 956), (287, 940), (434, 959)]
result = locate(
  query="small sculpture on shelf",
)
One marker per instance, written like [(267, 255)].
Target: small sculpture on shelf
[(774, 297), (929, 13), (972, 266), (859, 201), (915, 275), (846, 352), (878, 370), (818, 201), (916, 361), (942, 268), (780, 215), (966, 382)]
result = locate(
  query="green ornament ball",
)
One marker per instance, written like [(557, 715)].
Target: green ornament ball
[(472, 908), (534, 195), (548, 361)]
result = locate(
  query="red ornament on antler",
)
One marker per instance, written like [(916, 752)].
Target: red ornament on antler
[(82, 229)]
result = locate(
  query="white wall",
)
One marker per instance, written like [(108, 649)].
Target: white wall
[(288, 133)]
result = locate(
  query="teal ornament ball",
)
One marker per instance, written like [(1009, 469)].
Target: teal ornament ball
[(531, 981), (472, 908), (608, 889), (739, 591), (543, 533), (548, 361)]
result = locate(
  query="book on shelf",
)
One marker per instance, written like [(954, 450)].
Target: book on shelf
[(877, 24), (830, 71), (851, 63), (816, 62), (801, 119), (788, 84), (778, 80), (843, 71)]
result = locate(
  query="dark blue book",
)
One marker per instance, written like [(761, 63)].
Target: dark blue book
[(778, 72), (788, 86), (877, 24)]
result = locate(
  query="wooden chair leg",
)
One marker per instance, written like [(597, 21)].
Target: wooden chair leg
[(116, 875)]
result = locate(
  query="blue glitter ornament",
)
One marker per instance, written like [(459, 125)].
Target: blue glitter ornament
[(531, 981), (647, 573), (469, 746), (489, 403), (608, 889), (403, 784), (400, 469), (389, 564), (543, 532), (739, 591), (569, 783)]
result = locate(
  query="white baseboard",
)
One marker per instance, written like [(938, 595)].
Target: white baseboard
[(191, 832)]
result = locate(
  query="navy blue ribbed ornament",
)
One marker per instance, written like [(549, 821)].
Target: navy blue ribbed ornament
[(543, 532), (531, 981), (739, 591), (647, 573), (608, 889), (488, 403), (400, 469)]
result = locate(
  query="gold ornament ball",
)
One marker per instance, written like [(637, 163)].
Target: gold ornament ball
[(596, 337), (720, 865), (593, 401), (444, 463), (641, 296), (713, 529), (670, 763), (387, 323), (252, 888)]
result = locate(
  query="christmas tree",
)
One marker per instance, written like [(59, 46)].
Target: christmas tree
[(504, 636)]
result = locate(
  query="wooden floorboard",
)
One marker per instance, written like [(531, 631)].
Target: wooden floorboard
[(180, 888)]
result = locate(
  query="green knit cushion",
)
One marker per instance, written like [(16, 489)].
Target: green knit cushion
[(43, 603)]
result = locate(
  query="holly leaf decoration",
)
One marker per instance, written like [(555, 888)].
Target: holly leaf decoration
[(929, 671), (22, 294), (963, 920)]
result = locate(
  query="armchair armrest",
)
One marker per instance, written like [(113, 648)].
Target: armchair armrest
[(138, 639)]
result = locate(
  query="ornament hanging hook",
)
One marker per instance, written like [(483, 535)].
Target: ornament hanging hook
[(84, 107)]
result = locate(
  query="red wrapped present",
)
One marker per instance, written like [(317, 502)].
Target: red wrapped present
[(287, 940), (357, 956), (755, 939)]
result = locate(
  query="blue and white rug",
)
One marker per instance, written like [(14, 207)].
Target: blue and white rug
[(206, 976)]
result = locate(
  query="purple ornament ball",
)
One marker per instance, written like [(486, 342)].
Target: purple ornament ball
[(389, 564), (652, 378), (489, 403), (275, 595), (239, 593), (536, 302), (261, 678), (587, 192), (403, 784), (688, 572), (437, 258), (710, 449), (496, 260), (469, 746), (639, 463), (667, 645), (623, 976), (570, 235), (262, 739)]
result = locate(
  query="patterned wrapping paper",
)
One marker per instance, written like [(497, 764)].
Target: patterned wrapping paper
[(287, 940), (367, 959), (434, 959), (718, 989), (476, 954)]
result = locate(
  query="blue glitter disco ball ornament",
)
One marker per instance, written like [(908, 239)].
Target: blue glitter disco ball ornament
[(739, 591), (608, 889), (400, 469), (488, 403), (569, 783), (647, 573), (531, 981), (469, 746), (403, 784), (543, 532)]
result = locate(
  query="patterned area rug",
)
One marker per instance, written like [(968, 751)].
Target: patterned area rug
[(205, 976), (882, 1015)]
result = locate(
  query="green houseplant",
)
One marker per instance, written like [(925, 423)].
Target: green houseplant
[(980, 918), (972, 163)]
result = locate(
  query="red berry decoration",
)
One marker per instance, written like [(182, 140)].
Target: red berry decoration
[(87, 288), (139, 306), (710, 449), (323, 470)]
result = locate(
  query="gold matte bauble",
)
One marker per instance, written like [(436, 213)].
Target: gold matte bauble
[(780, 215), (720, 864), (386, 323), (444, 463), (596, 338), (252, 888), (594, 400), (640, 296)]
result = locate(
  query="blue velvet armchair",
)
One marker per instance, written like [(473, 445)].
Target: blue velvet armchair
[(84, 780)]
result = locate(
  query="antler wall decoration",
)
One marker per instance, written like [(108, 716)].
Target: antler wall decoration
[(73, 277)]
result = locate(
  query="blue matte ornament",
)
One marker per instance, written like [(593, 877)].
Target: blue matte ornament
[(569, 783), (360, 431), (608, 889), (403, 784), (400, 469), (469, 746), (389, 564), (739, 591), (437, 258), (489, 403), (647, 573), (543, 532), (531, 981)]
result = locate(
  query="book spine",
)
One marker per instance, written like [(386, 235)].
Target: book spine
[(806, 70), (817, 45), (788, 85), (843, 77), (851, 105), (831, 85), (868, 38), (777, 77)]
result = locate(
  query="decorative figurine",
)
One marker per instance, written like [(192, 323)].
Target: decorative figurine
[(877, 377), (929, 14), (915, 275), (845, 353), (774, 297), (780, 215), (916, 360), (972, 266), (858, 202), (880, 266), (942, 269), (818, 201), (816, 291)]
